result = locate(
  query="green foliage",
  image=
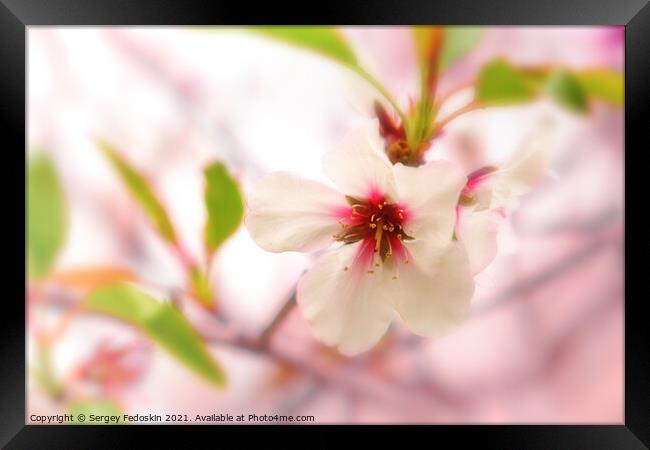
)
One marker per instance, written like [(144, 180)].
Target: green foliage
[(457, 42), (162, 322), (224, 204), (141, 191), (604, 85), (500, 83), (42, 371), (327, 41), (424, 39), (565, 88), (201, 286), (46, 216)]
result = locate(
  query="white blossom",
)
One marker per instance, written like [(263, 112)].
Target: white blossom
[(388, 236)]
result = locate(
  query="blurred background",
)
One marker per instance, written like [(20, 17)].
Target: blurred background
[(544, 339)]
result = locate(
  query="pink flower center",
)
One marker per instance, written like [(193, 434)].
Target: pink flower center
[(378, 224)]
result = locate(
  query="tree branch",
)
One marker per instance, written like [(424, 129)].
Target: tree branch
[(279, 317)]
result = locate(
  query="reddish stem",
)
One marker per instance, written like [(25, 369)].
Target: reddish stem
[(459, 112)]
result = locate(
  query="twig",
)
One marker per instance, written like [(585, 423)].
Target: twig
[(359, 382), (279, 317), (341, 378), (553, 270)]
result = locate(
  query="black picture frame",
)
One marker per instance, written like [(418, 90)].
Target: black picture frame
[(17, 15)]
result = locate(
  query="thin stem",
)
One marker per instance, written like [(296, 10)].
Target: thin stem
[(465, 109), (183, 256), (382, 90), (453, 91), (423, 108)]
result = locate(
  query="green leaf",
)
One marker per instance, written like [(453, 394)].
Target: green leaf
[(457, 42), (201, 286), (86, 408), (327, 41), (500, 83), (42, 371), (140, 189), (224, 203), (46, 216), (602, 84), (162, 322), (567, 90)]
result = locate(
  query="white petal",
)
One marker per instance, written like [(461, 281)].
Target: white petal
[(430, 194), (432, 293), (287, 212), (529, 164), (477, 231), (348, 309), (359, 165)]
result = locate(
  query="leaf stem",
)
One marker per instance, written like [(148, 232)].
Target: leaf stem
[(465, 109), (453, 91), (382, 90)]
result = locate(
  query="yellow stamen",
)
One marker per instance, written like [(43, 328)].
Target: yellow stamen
[(378, 235)]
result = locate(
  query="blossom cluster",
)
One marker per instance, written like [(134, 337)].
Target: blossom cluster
[(396, 238)]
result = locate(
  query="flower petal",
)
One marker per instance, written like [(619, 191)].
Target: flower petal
[(529, 164), (290, 213), (477, 231), (519, 175), (432, 293), (346, 308), (359, 165), (491, 193), (430, 194)]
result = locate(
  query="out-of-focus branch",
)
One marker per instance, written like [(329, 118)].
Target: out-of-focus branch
[(351, 377), (545, 275), (355, 377), (595, 223), (279, 317), (352, 382)]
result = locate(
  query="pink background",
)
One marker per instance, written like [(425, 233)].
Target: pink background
[(544, 340)]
